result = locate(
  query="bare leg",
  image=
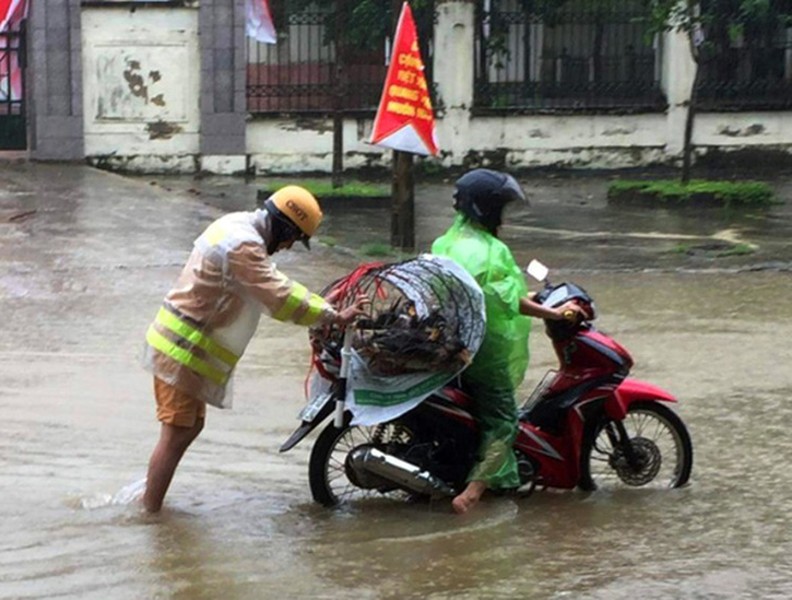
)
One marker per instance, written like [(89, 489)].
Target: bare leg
[(170, 448), (469, 497)]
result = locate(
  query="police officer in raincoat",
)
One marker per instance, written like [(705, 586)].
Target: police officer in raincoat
[(212, 312), (499, 366)]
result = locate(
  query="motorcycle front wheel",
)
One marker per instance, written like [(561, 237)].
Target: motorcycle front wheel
[(330, 476), (660, 454)]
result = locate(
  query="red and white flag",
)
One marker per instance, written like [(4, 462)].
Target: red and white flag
[(405, 119), (12, 12), (259, 21), (10, 75)]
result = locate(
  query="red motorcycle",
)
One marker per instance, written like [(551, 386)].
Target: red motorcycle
[(586, 425)]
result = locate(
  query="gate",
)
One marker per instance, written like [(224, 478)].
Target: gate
[(13, 124)]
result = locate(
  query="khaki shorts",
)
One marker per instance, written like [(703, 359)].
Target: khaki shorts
[(174, 407)]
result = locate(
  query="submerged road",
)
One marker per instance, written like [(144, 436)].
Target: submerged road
[(85, 258)]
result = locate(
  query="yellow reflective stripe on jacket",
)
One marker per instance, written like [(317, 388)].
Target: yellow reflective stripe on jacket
[(215, 233), (298, 294), (157, 341), (316, 305), (196, 338)]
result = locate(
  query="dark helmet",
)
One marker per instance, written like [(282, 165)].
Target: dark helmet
[(481, 194), (296, 215)]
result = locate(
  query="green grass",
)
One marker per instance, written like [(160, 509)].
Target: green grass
[(328, 241), (726, 193), (377, 249), (738, 250), (320, 188)]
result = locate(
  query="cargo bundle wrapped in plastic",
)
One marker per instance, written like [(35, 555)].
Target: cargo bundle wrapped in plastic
[(425, 323)]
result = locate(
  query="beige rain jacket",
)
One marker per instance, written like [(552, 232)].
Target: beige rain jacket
[(209, 316)]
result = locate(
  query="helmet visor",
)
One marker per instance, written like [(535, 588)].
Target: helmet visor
[(295, 234), (286, 229), (513, 192)]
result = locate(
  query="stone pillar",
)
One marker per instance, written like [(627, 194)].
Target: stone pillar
[(55, 81), (223, 82), (453, 70), (679, 69)]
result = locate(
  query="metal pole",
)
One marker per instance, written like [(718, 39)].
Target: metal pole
[(338, 97), (403, 185), (403, 202)]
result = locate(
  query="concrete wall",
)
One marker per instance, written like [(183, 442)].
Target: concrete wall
[(160, 87), (141, 87), (223, 81), (306, 145), (596, 141), (54, 91)]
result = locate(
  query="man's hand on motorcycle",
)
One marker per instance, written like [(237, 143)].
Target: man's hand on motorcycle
[(354, 310), (333, 295)]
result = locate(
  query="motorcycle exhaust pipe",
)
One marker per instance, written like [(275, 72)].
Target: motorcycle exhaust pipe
[(367, 460)]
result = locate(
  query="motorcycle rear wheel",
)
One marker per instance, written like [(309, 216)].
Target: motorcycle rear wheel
[(658, 437), (328, 473)]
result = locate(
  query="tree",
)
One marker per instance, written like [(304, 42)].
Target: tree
[(711, 27)]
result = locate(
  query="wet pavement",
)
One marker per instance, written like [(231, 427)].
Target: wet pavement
[(569, 223), (701, 299)]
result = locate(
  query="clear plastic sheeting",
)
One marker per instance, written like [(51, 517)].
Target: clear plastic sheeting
[(425, 323)]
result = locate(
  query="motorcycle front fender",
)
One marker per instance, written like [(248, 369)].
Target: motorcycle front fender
[(634, 390), (307, 427)]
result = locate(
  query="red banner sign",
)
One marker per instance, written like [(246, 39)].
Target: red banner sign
[(11, 11), (405, 119)]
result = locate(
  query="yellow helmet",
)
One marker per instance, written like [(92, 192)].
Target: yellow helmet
[(297, 206)]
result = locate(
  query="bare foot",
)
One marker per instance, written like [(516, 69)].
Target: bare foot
[(469, 497)]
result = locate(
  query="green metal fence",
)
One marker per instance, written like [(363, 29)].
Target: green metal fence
[(747, 59), (566, 55), (530, 56)]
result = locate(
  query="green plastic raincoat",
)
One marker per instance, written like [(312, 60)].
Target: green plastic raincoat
[(499, 366)]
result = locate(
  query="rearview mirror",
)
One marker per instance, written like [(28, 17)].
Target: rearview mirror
[(537, 270)]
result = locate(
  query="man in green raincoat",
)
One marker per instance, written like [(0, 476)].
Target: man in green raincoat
[(499, 366)]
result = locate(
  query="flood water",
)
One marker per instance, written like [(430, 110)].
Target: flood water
[(82, 277)]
